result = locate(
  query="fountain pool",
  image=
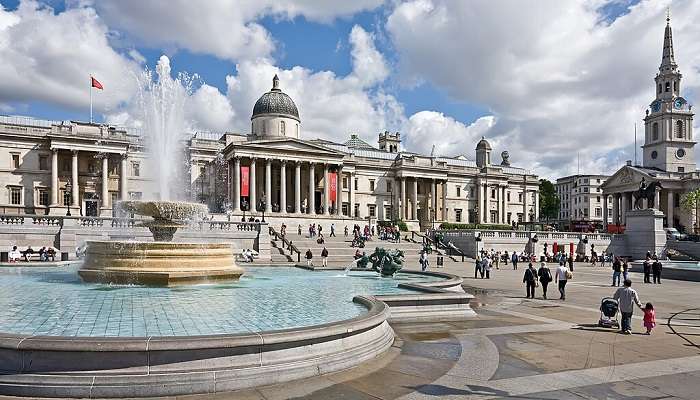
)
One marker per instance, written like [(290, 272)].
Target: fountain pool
[(55, 302)]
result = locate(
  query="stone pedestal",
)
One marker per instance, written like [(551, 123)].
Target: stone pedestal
[(644, 232)]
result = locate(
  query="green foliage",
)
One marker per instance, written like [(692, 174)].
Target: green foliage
[(483, 227), (691, 200), (549, 201), (401, 224)]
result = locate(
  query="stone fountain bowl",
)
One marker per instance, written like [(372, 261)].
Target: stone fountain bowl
[(164, 210)]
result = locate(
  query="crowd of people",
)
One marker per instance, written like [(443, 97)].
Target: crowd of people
[(45, 253)]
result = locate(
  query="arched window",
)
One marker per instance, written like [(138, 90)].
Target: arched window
[(283, 128), (655, 131), (668, 86), (679, 129), (659, 90)]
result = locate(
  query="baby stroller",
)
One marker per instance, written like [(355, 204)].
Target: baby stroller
[(608, 313)]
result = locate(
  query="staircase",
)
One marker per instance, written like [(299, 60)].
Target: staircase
[(341, 254)]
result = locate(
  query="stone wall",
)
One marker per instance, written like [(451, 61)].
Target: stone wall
[(67, 233)]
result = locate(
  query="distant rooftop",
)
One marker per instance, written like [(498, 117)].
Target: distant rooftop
[(356, 143)]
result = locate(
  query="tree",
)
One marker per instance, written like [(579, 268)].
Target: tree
[(691, 203), (549, 201)]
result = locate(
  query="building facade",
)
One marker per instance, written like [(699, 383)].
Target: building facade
[(669, 160), (581, 201), (52, 167)]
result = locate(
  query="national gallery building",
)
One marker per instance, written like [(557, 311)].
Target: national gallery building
[(54, 167)]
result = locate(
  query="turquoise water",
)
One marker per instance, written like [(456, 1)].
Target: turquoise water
[(54, 302)]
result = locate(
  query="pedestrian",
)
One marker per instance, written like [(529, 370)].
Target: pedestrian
[(530, 281), (625, 269), (656, 270), (545, 276), (514, 259), (324, 256), (299, 229), (506, 258), (332, 231), (571, 263), (627, 298), (487, 267), (309, 256), (423, 260), (346, 231), (649, 318), (617, 270), (562, 276), (647, 268), (497, 259), (320, 229), (477, 266)]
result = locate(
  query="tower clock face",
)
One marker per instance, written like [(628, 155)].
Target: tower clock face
[(680, 153), (678, 103), (654, 154), (656, 106)]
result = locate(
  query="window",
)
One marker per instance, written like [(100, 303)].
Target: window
[(388, 186), (681, 169), (508, 195), (494, 215), (15, 160), (585, 181), (357, 210), (585, 190), (459, 191), (15, 195), (458, 215), (372, 210), (65, 166), (675, 86), (371, 185), (668, 87), (202, 171), (345, 209), (355, 184), (135, 169), (44, 163), (659, 89), (510, 218), (679, 129), (598, 212), (493, 193), (520, 217), (345, 183), (520, 197), (655, 131), (283, 128), (387, 212), (42, 195), (597, 199), (597, 181)]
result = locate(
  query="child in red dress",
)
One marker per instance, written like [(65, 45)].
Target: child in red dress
[(649, 318)]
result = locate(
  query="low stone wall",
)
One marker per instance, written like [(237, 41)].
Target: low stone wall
[(520, 241), (691, 249), (67, 233)]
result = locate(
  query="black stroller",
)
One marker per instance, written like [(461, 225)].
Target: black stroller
[(608, 313)]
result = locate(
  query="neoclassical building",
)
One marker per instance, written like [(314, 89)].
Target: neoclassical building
[(56, 167), (668, 150)]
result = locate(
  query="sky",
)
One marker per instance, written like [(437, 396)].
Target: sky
[(547, 80)]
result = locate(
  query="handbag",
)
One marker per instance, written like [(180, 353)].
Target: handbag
[(569, 274)]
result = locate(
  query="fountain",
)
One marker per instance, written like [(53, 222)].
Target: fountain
[(161, 262)]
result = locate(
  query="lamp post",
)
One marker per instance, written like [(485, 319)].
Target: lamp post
[(262, 205), (244, 205), (69, 188)]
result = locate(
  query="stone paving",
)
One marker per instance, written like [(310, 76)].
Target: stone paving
[(516, 348)]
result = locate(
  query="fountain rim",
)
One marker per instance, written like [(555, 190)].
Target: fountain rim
[(377, 312)]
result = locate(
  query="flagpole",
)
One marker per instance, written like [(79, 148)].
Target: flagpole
[(90, 98)]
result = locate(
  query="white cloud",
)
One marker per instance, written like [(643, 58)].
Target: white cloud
[(369, 66), (426, 128), (209, 109), (558, 78), (228, 29)]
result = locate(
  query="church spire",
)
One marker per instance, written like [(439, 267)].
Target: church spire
[(668, 63)]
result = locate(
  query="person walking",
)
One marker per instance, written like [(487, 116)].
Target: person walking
[(506, 258), (309, 256), (424, 261), (649, 318), (570, 260), (627, 298), (324, 257), (545, 276), (346, 231), (477, 266), (617, 270), (647, 268), (656, 270), (488, 263), (625, 269), (530, 281), (514, 259), (561, 277), (332, 231)]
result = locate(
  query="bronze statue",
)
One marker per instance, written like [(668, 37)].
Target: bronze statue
[(647, 192)]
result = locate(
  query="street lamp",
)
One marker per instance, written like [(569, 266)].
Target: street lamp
[(244, 206), (69, 188), (261, 205)]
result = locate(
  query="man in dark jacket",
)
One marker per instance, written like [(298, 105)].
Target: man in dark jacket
[(647, 268), (656, 270), (545, 276), (617, 271), (530, 280)]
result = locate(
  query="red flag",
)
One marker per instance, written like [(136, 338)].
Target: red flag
[(333, 185), (96, 84), (245, 175)]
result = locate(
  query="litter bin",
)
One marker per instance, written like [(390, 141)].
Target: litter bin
[(4, 256), (64, 256), (440, 261)]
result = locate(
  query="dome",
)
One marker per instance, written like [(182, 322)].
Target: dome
[(275, 102), (483, 144)]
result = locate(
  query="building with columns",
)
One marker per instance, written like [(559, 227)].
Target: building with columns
[(668, 150), (56, 167)]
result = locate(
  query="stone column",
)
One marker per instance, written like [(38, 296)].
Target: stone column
[(625, 206), (669, 209), (237, 184), (498, 204), (326, 190), (268, 185), (297, 187), (122, 177), (605, 212), (54, 178), (339, 191), (505, 206), (75, 197), (433, 201), (252, 186), (616, 209), (283, 187), (526, 212), (536, 212), (105, 186), (402, 200), (657, 200), (444, 201), (312, 189), (414, 209), (481, 204), (352, 195)]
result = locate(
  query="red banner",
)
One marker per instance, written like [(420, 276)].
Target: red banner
[(245, 181), (333, 185)]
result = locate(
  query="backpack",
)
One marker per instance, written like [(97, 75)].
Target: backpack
[(547, 275)]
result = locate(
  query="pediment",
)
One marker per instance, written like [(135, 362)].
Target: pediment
[(625, 178), (287, 146)]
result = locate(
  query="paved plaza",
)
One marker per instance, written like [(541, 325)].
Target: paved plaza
[(527, 349)]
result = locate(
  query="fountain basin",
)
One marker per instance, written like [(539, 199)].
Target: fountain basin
[(158, 263)]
